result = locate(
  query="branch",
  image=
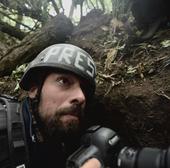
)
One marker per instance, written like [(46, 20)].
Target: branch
[(23, 10), (71, 10), (102, 4), (12, 31), (92, 4), (3, 13), (55, 6), (61, 5)]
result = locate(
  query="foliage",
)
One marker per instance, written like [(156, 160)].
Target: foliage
[(28, 15), (17, 74), (165, 43)]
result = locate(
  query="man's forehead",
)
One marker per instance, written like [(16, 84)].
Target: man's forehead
[(66, 74)]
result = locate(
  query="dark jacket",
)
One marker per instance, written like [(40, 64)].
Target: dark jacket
[(41, 155)]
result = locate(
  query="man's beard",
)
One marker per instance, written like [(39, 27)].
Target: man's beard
[(55, 128)]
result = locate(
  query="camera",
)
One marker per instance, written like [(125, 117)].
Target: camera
[(106, 146), (98, 142)]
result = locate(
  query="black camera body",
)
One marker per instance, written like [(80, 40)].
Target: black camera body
[(98, 142), (105, 145)]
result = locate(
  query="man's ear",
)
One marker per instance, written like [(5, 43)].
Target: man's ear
[(32, 92)]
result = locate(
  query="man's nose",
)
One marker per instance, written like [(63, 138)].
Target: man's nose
[(78, 96)]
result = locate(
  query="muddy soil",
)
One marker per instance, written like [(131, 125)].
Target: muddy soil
[(133, 84)]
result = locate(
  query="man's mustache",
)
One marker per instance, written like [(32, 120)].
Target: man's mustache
[(75, 109)]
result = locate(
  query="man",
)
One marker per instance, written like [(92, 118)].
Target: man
[(60, 82)]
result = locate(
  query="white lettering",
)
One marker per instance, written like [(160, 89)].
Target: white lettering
[(51, 52), (79, 60), (91, 65), (66, 54), (21, 166)]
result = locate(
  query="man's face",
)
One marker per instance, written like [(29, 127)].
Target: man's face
[(62, 103)]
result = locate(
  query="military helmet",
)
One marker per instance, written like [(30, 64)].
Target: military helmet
[(65, 57)]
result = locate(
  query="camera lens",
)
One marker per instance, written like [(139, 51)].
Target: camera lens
[(144, 158), (127, 158)]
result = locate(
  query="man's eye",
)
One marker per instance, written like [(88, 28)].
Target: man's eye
[(63, 81)]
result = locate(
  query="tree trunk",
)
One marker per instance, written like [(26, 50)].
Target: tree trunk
[(55, 31)]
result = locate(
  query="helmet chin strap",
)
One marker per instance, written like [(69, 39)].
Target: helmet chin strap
[(38, 124)]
